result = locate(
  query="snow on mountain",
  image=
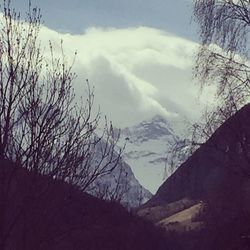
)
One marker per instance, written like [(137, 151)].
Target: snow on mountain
[(148, 146)]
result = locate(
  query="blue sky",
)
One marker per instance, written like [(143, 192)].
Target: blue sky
[(76, 15)]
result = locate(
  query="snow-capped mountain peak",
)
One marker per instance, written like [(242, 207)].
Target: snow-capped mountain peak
[(148, 145), (152, 129)]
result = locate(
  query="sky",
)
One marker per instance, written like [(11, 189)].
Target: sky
[(76, 15), (138, 55)]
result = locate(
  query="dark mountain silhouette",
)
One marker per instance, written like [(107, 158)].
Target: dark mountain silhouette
[(209, 194), (38, 212), (223, 158)]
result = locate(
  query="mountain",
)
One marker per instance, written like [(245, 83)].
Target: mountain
[(148, 146), (223, 157), (121, 185), (210, 191), (118, 181), (39, 212)]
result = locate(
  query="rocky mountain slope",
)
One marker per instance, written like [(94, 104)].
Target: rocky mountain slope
[(122, 186), (117, 182)]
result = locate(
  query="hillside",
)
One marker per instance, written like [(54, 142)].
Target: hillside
[(37, 212), (224, 157), (211, 189)]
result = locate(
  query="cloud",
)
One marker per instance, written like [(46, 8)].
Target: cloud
[(137, 72)]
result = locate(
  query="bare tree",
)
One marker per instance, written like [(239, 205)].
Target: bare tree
[(223, 58), (222, 61), (42, 127)]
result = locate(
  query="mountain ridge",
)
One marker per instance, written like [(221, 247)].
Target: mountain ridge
[(209, 172)]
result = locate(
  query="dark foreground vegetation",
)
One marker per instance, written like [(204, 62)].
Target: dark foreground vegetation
[(37, 212), (42, 212)]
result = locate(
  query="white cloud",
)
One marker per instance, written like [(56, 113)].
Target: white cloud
[(137, 72)]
